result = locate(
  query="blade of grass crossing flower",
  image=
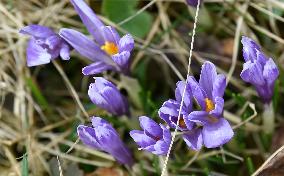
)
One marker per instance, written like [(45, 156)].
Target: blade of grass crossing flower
[(164, 172), (25, 166)]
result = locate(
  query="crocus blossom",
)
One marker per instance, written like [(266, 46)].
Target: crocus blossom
[(170, 109), (258, 70), (102, 136), (155, 138), (105, 95), (193, 3), (108, 51), (44, 45)]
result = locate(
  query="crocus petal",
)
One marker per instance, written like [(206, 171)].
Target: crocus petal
[(180, 86), (219, 86), (65, 51), (193, 3), (110, 34), (36, 55), (141, 139), (249, 48), (207, 78), (252, 72), (126, 43), (270, 72), (193, 139), (89, 18), (85, 46), (168, 109), (166, 133), (217, 134), (219, 106), (95, 68), (88, 136), (97, 121), (150, 126), (197, 91), (53, 41), (261, 58), (122, 60), (161, 148), (101, 82), (37, 31), (200, 117)]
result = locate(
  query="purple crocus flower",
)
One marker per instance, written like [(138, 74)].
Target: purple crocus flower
[(44, 45), (103, 136), (210, 127), (258, 69), (105, 95), (193, 3), (170, 109), (107, 50), (154, 138)]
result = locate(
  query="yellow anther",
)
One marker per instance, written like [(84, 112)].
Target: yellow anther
[(209, 105), (182, 123), (110, 48)]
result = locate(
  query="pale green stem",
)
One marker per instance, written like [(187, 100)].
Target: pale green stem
[(268, 118)]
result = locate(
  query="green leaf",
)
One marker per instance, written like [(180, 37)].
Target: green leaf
[(37, 94), (250, 165), (118, 10), (25, 166)]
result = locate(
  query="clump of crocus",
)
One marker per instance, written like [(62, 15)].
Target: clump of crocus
[(193, 3), (105, 95), (44, 45), (155, 138), (262, 73), (108, 51), (102, 136), (258, 70), (210, 128), (170, 109)]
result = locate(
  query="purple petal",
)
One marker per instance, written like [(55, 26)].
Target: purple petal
[(95, 68), (200, 117), (141, 139), (219, 86), (97, 121), (53, 41), (151, 127), (122, 60), (37, 31), (65, 51), (252, 73), (197, 92), (193, 139), (169, 109), (167, 137), (217, 134), (207, 78), (193, 3), (161, 148), (261, 58), (110, 34), (180, 86), (249, 49), (36, 55), (126, 43), (89, 18), (88, 136), (219, 107), (270, 72), (84, 46)]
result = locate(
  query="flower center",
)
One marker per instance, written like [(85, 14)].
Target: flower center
[(182, 123), (110, 48), (209, 105)]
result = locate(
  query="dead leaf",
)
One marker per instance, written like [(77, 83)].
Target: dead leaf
[(108, 172)]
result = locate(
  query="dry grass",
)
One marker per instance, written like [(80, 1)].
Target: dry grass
[(27, 125)]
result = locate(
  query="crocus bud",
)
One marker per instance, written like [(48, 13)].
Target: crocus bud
[(258, 70), (154, 138), (103, 136), (105, 95), (44, 45)]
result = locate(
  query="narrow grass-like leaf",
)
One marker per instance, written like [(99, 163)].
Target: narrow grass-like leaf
[(25, 165)]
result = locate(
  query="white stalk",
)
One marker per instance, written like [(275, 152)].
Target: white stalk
[(268, 118)]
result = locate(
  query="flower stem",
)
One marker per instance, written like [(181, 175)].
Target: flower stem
[(268, 118)]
